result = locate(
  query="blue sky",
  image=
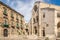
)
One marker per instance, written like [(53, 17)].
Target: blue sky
[(25, 6)]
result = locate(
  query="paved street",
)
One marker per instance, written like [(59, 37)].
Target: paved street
[(19, 38)]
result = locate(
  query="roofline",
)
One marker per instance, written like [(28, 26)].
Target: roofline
[(10, 8), (46, 3)]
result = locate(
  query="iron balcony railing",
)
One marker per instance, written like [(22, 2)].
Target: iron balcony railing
[(6, 25)]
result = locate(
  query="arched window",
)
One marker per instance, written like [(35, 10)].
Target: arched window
[(5, 32), (58, 25)]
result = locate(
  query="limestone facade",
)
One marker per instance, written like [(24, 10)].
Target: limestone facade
[(46, 21), (11, 22)]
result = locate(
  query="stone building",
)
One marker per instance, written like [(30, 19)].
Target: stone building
[(46, 21), (29, 27), (11, 22)]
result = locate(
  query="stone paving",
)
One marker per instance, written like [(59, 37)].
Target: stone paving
[(22, 37)]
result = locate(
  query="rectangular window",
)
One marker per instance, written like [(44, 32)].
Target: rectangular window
[(34, 20), (5, 11), (58, 14), (16, 17), (27, 31), (43, 32), (17, 26), (35, 30), (6, 23), (37, 18), (21, 22), (12, 25), (12, 14), (43, 15)]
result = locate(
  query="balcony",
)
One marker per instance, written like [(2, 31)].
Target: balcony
[(6, 25)]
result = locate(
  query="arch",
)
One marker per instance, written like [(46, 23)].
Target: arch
[(5, 32), (58, 25)]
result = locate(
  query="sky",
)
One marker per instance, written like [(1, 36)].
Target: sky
[(25, 6)]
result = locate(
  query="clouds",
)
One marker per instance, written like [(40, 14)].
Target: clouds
[(22, 6)]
